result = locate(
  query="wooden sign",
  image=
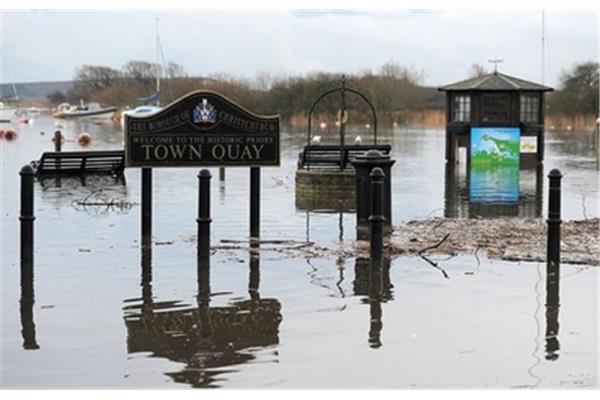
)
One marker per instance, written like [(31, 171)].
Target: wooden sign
[(202, 129)]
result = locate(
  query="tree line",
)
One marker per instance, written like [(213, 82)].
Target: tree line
[(394, 90)]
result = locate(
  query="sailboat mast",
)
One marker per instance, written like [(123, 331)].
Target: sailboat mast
[(158, 65), (543, 47)]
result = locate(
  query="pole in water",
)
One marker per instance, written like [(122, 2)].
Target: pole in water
[(554, 221), (553, 265), (57, 141), (27, 216), (377, 219), (27, 295), (146, 205), (254, 204), (204, 219)]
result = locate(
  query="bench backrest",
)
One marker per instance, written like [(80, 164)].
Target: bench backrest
[(75, 162), (332, 155)]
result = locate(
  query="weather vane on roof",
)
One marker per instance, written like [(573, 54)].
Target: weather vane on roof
[(496, 61)]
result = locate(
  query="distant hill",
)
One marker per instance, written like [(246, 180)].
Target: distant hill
[(34, 91)]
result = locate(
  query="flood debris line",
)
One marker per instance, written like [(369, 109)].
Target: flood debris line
[(513, 239)]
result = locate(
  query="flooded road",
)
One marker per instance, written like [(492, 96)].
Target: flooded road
[(101, 314)]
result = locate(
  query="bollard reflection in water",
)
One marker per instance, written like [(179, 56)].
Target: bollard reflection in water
[(26, 307), (552, 307), (205, 338), (374, 283)]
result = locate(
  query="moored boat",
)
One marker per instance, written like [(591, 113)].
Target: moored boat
[(140, 111), (92, 110)]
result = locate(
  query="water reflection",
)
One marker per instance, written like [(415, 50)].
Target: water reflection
[(375, 283), (205, 338), (552, 306), (493, 193), (92, 194), (26, 307)]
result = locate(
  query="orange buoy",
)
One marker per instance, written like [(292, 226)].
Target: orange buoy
[(10, 134), (84, 139)]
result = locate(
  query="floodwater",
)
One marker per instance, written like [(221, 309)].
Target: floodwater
[(100, 313)]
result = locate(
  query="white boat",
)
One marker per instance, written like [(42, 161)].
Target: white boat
[(92, 110), (141, 111)]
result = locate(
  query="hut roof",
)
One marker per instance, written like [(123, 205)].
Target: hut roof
[(495, 82)]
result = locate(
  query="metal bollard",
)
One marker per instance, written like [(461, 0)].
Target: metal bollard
[(377, 219), (222, 174), (254, 204), (204, 219), (57, 141), (146, 205), (27, 216), (553, 252)]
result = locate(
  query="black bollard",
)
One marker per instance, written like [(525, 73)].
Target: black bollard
[(222, 174), (363, 165), (377, 219), (146, 205), (27, 216), (553, 253), (254, 204), (204, 219), (57, 141)]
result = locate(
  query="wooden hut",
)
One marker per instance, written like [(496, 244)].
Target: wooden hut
[(496, 100)]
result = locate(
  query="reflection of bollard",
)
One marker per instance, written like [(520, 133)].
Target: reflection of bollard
[(204, 219), (553, 253), (376, 219), (254, 278), (27, 216)]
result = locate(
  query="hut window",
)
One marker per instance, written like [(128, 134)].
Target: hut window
[(530, 106), (461, 108), (495, 108)]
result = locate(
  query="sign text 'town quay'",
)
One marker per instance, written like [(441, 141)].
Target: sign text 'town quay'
[(202, 128)]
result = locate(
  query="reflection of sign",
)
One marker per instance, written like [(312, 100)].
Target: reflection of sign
[(202, 128), (528, 144), (494, 185)]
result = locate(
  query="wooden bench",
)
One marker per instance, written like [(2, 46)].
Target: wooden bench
[(331, 156), (80, 162)]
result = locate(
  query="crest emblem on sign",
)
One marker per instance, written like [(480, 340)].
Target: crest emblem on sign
[(204, 113)]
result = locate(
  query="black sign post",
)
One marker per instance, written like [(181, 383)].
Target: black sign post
[(202, 129)]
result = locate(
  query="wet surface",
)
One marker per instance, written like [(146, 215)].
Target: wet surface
[(100, 313)]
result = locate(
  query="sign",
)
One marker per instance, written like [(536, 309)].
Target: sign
[(495, 146), (495, 159), (528, 144), (203, 128)]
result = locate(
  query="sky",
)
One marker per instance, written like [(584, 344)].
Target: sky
[(50, 45)]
